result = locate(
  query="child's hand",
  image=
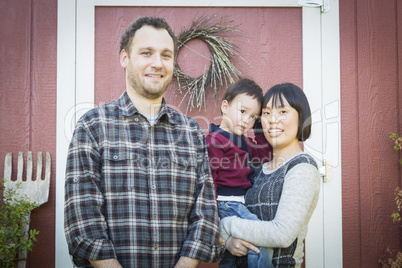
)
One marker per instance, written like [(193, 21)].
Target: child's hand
[(221, 241)]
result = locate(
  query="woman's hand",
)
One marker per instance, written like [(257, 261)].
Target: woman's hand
[(238, 247)]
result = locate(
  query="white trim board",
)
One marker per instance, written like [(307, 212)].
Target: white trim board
[(321, 78), (201, 3), (312, 88), (66, 21), (331, 111)]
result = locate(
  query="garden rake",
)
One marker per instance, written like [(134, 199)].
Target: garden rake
[(35, 190)]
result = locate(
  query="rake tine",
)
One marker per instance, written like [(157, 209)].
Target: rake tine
[(48, 168), (47, 175), (20, 167), (39, 166), (44, 184), (8, 167), (20, 170), (26, 186), (38, 183), (29, 166)]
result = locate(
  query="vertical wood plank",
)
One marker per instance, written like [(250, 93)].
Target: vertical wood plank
[(352, 251), (399, 55), (377, 91), (43, 121), (399, 34), (15, 78), (27, 104)]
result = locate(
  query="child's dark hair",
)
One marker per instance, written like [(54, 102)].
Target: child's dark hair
[(297, 100), (242, 86)]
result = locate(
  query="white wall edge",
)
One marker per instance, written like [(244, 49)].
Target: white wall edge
[(85, 57), (65, 106), (329, 120), (332, 133), (312, 79)]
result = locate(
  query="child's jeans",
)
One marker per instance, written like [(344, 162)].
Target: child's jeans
[(255, 260)]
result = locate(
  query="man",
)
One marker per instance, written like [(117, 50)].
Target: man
[(139, 191)]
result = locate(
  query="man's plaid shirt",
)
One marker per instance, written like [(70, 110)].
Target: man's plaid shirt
[(139, 193)]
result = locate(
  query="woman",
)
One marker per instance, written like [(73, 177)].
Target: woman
[(286, 189)]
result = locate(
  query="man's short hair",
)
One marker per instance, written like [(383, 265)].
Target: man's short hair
[(157, 23)]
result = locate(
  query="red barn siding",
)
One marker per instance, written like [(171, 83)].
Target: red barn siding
[(370, 109), (28, 58)]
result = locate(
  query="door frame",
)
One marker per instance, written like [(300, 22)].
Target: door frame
[(321, 83)]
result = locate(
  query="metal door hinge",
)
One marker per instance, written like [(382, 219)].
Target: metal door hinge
[(324, 4), (326, 171)]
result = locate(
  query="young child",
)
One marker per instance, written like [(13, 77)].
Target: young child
[(232, 157)]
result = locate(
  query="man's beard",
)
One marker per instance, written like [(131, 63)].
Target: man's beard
[(151, 93)]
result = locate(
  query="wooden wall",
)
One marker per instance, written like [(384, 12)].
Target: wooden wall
[(371, 53), (28, 42), (371, 99)]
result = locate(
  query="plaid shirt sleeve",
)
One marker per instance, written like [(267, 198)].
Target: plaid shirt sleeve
[(202, 239), (85, 225)]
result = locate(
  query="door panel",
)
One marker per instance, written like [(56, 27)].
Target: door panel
[(271, 50)]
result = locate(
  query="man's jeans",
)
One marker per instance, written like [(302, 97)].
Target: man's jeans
[(255, 260)]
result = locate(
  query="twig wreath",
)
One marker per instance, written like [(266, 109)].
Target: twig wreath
[(221, 71)]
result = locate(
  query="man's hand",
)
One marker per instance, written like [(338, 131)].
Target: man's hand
[(108, 263), (186, 262), (238, 247)]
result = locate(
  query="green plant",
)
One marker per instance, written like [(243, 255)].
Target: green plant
[(396, 262), (398, 142), (396, 216), (391, 262), (14, 217)]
